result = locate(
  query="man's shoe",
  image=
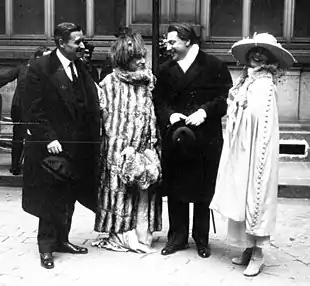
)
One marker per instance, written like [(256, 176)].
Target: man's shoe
[(171, 248), (47, 260), (204, 251), (67, 247)]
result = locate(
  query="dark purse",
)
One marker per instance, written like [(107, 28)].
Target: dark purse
[(60, 166)]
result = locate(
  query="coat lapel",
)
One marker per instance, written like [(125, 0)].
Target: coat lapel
[(62, 83), (183, 80)]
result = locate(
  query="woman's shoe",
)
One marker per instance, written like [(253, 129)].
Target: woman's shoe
[(244, 258), (255, 266)]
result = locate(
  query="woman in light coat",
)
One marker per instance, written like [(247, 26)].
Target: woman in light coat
[(247, 181)]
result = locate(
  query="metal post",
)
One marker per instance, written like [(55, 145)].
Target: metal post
[(155, 36)]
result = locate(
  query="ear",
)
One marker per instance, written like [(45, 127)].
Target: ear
[(61, 43), (188, 42)]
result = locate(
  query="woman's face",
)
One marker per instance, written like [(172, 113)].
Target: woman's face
[(137, 64), (258, 57)]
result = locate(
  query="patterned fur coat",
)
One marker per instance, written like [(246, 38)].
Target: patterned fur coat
[(129, 123)]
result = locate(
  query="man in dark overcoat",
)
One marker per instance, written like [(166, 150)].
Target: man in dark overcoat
[(62, 112), (19, 128), (190, 94)]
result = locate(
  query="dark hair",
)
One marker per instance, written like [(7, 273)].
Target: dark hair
[(185, 32), (63, 31), (271, 58), (126, 48), (40, 50)]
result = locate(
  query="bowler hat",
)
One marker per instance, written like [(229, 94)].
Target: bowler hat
[(181, 140)]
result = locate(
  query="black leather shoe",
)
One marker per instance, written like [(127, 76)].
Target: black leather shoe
[(204, 251), (67, 247), (172, 248), (47, 260)]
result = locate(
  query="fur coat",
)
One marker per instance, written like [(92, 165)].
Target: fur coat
[(129, 130)]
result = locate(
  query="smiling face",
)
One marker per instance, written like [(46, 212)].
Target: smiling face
[(74, 47), (258, 56), (177, 47), (136, 64)]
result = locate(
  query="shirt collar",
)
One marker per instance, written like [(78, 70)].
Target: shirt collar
[(64, 61), (189, 58)]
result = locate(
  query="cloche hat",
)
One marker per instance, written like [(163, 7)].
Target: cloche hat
[(241, 48)]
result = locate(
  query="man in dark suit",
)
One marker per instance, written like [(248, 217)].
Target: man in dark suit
[(62, 112), (191, 92), (19, 128)]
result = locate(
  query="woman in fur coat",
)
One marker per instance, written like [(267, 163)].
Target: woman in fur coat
[(247, 181), (128, 207)]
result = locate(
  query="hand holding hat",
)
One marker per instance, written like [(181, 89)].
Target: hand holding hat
[(196, 118), (176, 117)]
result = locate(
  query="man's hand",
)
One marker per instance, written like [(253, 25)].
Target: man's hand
[(54, 147), (196, 118), (175, 117)]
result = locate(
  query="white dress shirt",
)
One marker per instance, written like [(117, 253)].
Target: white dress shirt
[(65, 63)]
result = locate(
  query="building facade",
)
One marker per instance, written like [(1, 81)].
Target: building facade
[(26, 24)]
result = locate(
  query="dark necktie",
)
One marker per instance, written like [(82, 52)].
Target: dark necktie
[(74, 77)]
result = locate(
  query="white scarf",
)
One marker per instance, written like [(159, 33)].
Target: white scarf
[(189, 58)]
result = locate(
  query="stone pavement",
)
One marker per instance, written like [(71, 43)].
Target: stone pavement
[(287, 260)]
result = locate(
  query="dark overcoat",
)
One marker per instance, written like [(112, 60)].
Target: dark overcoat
[(50, 107), (204, 85)]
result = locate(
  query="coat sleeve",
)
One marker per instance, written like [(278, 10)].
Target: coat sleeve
[(162, 110), (9, 76), (35, 114), (222, 83)]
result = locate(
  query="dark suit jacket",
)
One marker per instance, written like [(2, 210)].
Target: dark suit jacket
[(51, 111), (205, 85)]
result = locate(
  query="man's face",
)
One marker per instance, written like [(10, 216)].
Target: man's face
[(177, 48), (74, 47)]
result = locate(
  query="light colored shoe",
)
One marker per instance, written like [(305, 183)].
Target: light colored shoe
[(255, 266), (244, 258)]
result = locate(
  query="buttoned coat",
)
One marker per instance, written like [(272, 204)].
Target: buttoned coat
[(51, 109), (204, 85)]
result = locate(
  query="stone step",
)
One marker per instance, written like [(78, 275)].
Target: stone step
[(294, 177)]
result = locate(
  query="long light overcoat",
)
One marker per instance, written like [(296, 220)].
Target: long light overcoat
[(247, 183)]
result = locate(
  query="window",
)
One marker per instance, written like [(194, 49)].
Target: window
[(226, 18), (267, 16), (186, 11), (2, 16), (74, 11), (302, 22), (109, 16), (28, 17)]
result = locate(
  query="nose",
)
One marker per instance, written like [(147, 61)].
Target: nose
[(142, 60), (169, 47), (82, 45)]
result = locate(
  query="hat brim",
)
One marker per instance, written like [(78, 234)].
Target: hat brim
[(240, 50)]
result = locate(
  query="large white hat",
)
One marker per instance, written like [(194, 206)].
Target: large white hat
[(241, 48)]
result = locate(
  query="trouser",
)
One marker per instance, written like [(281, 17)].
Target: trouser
[(54, 229), (179, 222)]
